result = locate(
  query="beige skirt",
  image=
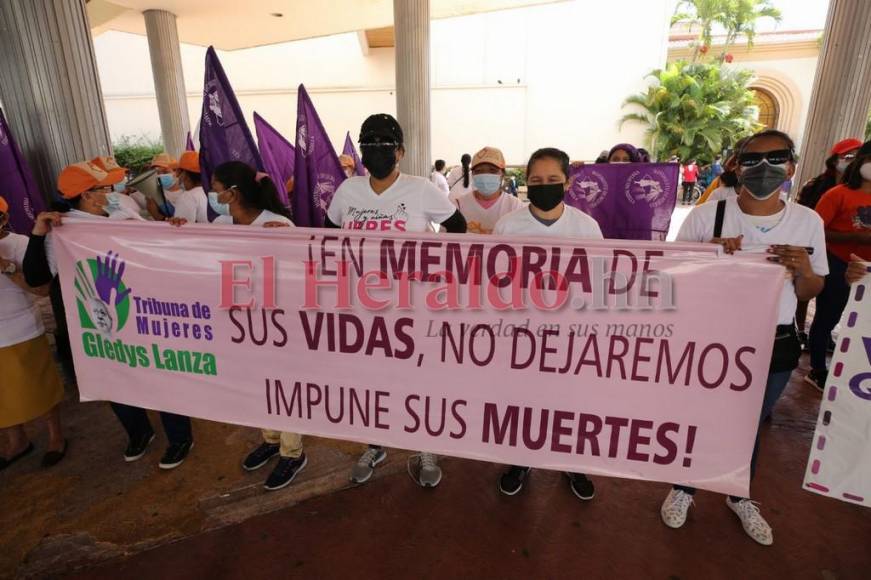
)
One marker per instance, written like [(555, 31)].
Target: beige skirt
[(29, 382)]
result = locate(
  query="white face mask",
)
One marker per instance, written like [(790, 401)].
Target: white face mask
[(865, 171)]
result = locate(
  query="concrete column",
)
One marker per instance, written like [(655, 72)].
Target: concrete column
[(411, 26), (842, 87), (172, 105), (49, 85)]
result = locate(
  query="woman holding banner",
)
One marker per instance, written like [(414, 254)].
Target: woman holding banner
[(31, 386), (547, 178), (86, 192), (483, 207), (758, 219), (389, 200), (241, 196)]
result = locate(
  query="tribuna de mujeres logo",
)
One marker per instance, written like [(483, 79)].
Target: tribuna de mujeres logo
[(105, 306)]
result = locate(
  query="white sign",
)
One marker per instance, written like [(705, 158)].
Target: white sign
[(840, 460)]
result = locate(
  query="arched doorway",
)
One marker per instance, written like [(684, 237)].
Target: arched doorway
[(768, 109)]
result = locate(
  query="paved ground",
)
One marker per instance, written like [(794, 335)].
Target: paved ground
[(95, 517)]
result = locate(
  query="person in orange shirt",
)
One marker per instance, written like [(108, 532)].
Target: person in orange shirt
[(846, 213)]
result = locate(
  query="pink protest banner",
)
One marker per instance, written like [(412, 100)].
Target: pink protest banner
[(630, 359)]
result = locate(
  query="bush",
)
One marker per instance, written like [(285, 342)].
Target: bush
[(136, 153), (519, 174)]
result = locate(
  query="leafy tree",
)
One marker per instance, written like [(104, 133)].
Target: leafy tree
[(736, 17), (694, 110), (136, 153)]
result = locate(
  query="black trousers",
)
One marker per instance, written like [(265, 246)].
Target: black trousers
[(688, 191), (136, 423), (830, 304)]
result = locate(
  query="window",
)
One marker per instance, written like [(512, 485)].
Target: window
[(768, 112)]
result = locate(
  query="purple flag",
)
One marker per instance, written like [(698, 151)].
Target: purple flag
[(351, 151), (631, 201), (278, 155), (17, 185), (224, 135), (189, 145), (316, 173)]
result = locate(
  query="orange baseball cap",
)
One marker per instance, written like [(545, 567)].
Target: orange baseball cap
[(114, 171), (4, 207), (189, 161), (163, 160), (78, 178), (845, 145), (489, 155)]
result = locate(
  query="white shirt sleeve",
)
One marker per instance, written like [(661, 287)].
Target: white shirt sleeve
[(186, 207), (819, 261), (336, 211), (692, 228), (436, 206)]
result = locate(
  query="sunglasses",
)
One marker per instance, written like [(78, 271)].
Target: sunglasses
[(392, 144), (778, 157)]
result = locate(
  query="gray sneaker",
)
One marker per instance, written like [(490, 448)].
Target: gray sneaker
[(424, 469), (365, 466)]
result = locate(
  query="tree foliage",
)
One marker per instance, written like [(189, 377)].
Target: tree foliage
[(136, 153), (736, 17), (694, 110)]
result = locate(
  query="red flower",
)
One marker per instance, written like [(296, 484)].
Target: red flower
[(728, 57), (703, 49)]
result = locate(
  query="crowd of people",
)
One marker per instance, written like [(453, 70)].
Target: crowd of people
[(821, 242)]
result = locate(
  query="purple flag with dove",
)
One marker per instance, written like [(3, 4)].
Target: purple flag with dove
[(17, 185), (278, 155), (224, 134), (317, 172), (351, 151), (631, 201)]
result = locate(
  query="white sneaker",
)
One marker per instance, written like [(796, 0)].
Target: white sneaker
[(753, 522), (675, 507), (424, 469)]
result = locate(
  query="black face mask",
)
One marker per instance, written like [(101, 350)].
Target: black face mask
[(545, 196), (729, 178), (378, 160)]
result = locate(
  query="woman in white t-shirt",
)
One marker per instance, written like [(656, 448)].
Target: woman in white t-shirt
[(460, 179), (758, 220), (387, 200), (30, 385), (547, 178), (241, 196), (483, 207)]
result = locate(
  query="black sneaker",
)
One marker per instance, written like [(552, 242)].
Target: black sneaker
[(581, 486), (138, 446), (175, 455), (511, 481), (258, 458), (817, 379), (285, 472)]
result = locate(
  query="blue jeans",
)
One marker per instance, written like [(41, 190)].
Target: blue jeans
[(773, 389)]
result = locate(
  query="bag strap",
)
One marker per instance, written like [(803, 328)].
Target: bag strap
[(718, 220)]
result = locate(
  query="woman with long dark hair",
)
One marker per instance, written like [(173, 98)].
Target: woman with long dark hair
[(460, 179)]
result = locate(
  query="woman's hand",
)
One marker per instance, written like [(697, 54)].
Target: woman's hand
[(730, 245), (45, 221), (276, 225), (153, 210), (177, 222), (794, 258), (856, 269)]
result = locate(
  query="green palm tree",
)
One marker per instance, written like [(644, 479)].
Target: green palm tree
[(694, 110), (737, 17)]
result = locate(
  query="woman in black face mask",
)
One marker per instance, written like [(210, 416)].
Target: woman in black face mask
[(387, 200), (547, 175)]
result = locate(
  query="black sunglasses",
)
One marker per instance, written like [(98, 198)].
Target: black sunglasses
[(778, 157)]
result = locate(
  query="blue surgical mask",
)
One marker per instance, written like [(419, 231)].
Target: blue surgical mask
[(121, 186), (218, 207), (487, 183), (167, 180), (113, 202)]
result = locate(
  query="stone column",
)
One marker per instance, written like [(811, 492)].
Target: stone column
[(411, 26), (842, 88), (49, 85), (172, 105)]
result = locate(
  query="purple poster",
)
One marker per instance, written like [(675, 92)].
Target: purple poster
[(278, 155), (631, 201), (224, 135), (351, 151), (17, 185), (316, 172)]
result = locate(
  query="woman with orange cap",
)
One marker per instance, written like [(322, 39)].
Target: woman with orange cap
[(190, 202), (84, 188), (31, 386)]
